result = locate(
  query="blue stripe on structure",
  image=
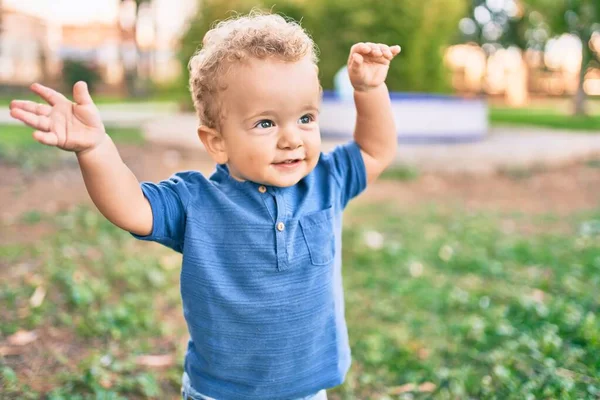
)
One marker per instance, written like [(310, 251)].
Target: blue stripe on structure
[(329, 95), (418, 138)]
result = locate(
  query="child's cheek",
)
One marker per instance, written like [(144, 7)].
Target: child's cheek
[(253, 157)]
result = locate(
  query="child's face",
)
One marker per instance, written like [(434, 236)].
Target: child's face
[(269, 122)]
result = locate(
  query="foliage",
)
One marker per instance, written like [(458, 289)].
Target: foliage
[(450, 303), (101, 299), (422, 29), (74, 71), (529, 24), (579, 17), (447, 301), (502, 25)]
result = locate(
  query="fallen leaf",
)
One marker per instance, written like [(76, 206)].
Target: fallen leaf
[(21, 338), (538, 295), (37, 298), (170, 262), (409, 387), (423, 353), (106, 382), (157, 361), (427, 387), (32, 278), (10, 351)]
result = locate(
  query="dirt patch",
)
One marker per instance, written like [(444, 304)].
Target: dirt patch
[(52, 349), (564, 190), (63, 187)]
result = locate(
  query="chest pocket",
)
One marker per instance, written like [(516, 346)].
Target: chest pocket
[(318, 232)]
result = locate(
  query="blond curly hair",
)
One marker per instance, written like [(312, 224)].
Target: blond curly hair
[(259, 35)]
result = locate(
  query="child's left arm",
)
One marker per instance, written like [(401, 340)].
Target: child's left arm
[(375, 132)]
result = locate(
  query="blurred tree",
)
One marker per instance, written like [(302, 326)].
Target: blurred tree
[(74, 71), (132, 83), (495, 24), (423, 29), (578, 17), (1, 17)]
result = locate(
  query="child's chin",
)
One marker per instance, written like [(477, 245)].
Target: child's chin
[(286, 181), (283, 183)]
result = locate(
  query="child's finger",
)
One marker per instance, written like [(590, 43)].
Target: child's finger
[(47, 138), (32, 107), (375, 50), (395, 50), (38, 122), (81, 94), (357, 61), (51, 96), (385, 50), (361, 48)]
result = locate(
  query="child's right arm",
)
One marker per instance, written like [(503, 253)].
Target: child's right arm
[(77, 126)]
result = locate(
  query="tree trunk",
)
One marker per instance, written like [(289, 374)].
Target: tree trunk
[(580, 96), (517, 91), (1, 18)]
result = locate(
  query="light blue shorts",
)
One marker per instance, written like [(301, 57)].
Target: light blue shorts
[(189, 393)]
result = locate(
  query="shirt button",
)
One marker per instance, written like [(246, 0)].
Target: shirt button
[(262, 189), (280, 226)]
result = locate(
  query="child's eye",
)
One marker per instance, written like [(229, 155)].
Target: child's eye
[(265, 124), (306, 119)]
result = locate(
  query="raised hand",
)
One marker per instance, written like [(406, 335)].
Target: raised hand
[(72, 126), (368, 64)]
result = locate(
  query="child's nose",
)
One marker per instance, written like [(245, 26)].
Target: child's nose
[(290, 138)]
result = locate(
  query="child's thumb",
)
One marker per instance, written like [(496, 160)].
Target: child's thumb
[(81, 95)]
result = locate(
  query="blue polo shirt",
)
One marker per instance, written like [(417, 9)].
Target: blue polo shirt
[(261, 281)]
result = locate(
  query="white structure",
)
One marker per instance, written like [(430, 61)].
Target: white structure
[(420, 118)]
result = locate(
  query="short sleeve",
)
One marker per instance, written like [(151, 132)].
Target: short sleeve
[(348, 169), (168, 200)]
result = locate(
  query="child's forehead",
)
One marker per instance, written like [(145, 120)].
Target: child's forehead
[(270, 82), (273, 68)]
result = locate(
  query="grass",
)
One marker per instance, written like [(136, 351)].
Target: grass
[(478, 313), (102, 298), (401, 173), (17, 147), (594, 163), (174, 92), (543, 118), (439, 305), (520, 173)]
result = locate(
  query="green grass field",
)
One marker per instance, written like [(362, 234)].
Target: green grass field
[(160, 97), (443, 305), (545, 118), (17, 146)]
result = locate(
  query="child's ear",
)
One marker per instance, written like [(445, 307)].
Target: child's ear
[(214, 144)]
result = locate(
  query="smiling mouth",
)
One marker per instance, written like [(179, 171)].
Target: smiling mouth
[(290, 161)]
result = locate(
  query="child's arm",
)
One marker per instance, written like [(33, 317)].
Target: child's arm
[(375, 132), (77, 126)]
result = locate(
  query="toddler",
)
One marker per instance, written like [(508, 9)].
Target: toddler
[(261, 281)]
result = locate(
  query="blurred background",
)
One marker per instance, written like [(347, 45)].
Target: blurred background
[(471, 267)]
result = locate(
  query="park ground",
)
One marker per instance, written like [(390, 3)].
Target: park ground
[(457, 285)]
